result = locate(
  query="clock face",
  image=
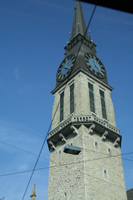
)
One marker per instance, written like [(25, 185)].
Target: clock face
[(95, 65), (65, 68)]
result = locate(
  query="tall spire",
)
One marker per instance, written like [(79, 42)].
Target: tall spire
[(79, 25), (33, 195)]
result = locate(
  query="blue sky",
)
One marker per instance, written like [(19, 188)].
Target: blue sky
[(32, 39)]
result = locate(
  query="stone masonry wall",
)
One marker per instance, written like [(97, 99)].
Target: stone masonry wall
[(66, 173), (104, 178), (95, 174), (81, 97)]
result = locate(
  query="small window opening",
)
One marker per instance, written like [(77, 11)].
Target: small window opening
[(105, 173), (59, 155), (96, 145), (65, 194), (109, 152)]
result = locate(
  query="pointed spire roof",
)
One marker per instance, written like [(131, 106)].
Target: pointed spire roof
[(79, 25), (79, 44), (33, 195)]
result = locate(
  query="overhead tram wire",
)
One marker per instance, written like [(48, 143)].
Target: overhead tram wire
[(31, 153), (90, 19), (23, 150), (53, 167), (48, 159), (22, 130), (94, 9), (14, 173), (15, 147), (35, 169), (40, 152), (74, 170), (54, 115), (21, 172), (36, 161)]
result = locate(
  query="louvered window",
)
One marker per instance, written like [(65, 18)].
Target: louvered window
[(104, 115), (61, 106), (72, 98), (91, 96)]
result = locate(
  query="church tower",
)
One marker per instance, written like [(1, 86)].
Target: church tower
[(84, 143)]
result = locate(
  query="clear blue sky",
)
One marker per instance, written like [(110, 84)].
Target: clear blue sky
[(33, 34)]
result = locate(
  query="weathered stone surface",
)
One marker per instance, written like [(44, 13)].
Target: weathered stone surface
[(81, 96), (96, 173)]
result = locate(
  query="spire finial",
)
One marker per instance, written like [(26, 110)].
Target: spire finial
[(89, 35), (78, 28), (33, 195)]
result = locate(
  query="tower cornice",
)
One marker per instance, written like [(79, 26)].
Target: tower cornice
[(80, 38), (85, 72), (91, 122)]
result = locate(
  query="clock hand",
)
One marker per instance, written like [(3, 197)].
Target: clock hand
[(97, 66), (66, 62), (94, 61), (66, 67)]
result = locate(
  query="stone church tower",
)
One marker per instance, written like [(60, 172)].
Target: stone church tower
[(84, 143)]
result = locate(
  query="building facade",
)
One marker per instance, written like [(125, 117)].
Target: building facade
[(84, 143)]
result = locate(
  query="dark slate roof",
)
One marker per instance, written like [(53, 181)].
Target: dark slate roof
[(130, 194), (79, 25), (79, 44)]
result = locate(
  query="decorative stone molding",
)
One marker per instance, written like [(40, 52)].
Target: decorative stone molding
[(116, 143), (61, 125), (91, 128), (75, 130), (52, 145), (79, 38), (84, 119), (62, 137), (104, 136)]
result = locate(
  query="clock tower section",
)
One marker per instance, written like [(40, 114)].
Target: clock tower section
[(84, 143)]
